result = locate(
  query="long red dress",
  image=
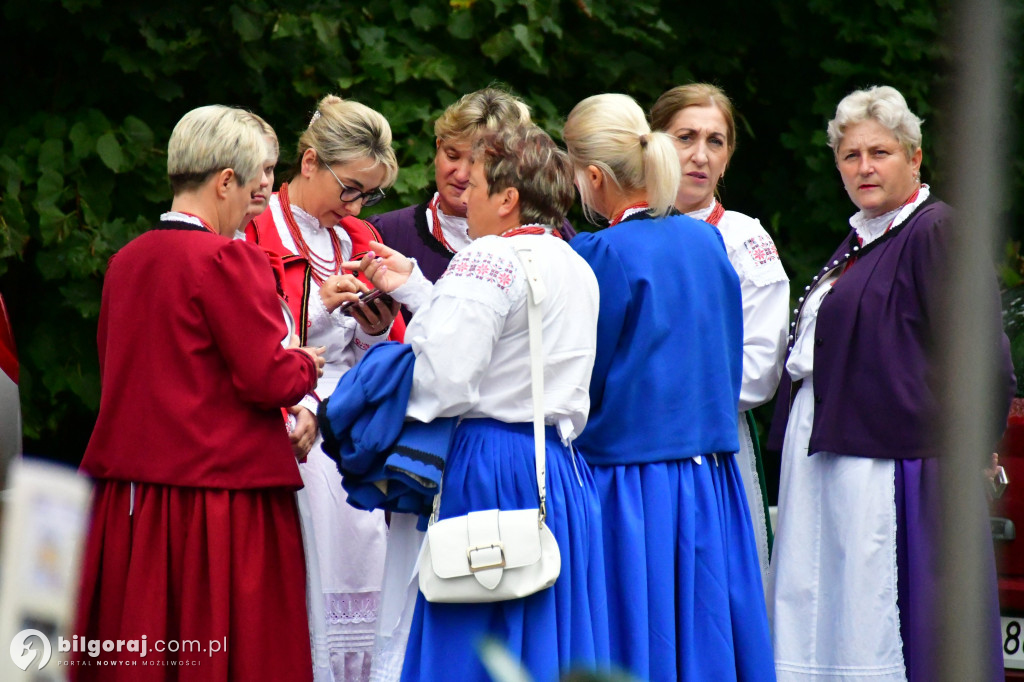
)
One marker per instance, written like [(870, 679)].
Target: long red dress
[(194, 551)]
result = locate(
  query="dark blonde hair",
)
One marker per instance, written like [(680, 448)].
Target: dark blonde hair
[(478, 112), (525, 157), (343, 131), (678, 98)]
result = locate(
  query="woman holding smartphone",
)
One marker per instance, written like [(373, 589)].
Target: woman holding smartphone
[(344, 163)]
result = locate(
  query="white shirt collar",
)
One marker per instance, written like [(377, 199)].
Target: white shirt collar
[(870, 229), (177, 217), (454, 228), (703, 213)]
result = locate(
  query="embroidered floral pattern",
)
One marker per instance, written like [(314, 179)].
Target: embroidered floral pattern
[(484, 267), (761, 249)]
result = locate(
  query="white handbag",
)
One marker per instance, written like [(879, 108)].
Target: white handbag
[(495, 555)]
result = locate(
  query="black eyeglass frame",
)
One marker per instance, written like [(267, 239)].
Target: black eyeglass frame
[(351, 194)]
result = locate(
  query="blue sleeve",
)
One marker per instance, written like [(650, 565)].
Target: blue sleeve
[(615, 297)]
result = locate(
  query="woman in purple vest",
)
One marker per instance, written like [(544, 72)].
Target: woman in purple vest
[(433, 231), (853, 570)]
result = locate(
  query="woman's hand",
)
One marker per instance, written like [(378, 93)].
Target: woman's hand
[(303, 434), (315, 352), (386, 268), (996, 478), (338, 289), (376, 316)]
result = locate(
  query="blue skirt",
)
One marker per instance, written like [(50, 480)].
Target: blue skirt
[(491, 465), (685, 600)]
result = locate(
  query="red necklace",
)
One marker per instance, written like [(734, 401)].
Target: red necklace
[(207, 225), (860, 240), (436, 228), (523, 229), (716, 214), (321, 268), (618, 219)]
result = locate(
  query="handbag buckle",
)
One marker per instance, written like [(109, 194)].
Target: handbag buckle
[(498, 563)]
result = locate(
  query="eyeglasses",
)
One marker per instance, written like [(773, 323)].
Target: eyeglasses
[(350, 194)]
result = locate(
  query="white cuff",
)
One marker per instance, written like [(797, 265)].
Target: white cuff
[(415, 292)]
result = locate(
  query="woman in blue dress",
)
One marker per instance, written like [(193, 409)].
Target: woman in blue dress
[(469, 334), (684, 590)]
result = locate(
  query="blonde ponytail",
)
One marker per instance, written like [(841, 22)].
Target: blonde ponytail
[(611, 133), (662, 173)]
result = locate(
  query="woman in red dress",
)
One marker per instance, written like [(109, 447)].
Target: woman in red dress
[(195, 552)]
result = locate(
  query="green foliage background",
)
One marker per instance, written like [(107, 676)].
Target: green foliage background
[(92, 90)]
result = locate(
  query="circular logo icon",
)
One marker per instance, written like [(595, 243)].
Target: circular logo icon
[(23, 653)]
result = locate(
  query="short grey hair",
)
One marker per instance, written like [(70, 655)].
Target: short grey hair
[(880, 103), (209, 139), (526, 158)]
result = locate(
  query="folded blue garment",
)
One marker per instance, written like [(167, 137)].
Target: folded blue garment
[(385, 461)]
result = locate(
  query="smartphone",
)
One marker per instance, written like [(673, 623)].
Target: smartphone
[(366, 297)]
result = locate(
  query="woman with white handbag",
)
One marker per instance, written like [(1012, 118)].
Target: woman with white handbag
[(475, 358)]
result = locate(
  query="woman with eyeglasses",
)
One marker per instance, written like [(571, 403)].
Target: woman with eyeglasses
[(344, 163)]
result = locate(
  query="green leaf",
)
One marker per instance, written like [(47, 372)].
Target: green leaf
[(371, 36), (51, 156), (83, 296), (136, 130), (412, 179), (460, 24), (424, 17), (548, 25), (97, 122), (11, 168), (246, 24), (526, 39), (498, 46), (82, 140), (110, 152), (1010, 277), (51, 222), (326, 29), (49, 187)]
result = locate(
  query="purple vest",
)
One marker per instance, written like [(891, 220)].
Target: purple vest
[(405, 230), (874, 379)]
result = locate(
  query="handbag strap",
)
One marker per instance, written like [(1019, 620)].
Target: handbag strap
[(536, 292)]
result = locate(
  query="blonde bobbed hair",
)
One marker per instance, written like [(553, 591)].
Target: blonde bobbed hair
[(610, 132), (210, 139), (343, 131)]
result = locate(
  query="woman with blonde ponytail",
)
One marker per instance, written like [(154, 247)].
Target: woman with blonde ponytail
[(684, 591)]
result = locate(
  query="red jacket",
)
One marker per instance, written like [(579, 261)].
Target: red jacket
[(192, 368), (294, 271)]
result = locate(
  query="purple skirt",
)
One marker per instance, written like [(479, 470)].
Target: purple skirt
[(917, 512)]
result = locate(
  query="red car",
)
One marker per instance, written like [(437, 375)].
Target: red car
[(1007, 518)]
